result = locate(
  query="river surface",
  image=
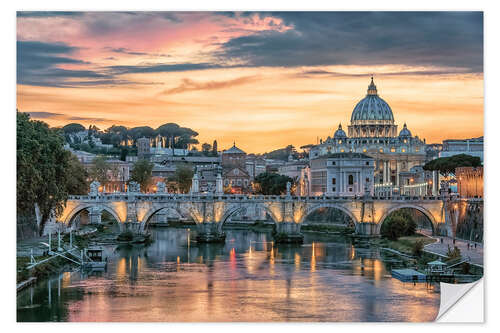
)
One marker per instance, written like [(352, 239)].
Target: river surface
[(246, 279)]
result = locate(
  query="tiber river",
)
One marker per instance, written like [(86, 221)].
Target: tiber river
[(246, 279)]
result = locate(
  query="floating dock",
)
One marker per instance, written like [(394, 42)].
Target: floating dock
[(411, 275)]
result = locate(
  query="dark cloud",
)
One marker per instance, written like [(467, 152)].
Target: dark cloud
[(124, 50), (158, 68), (451, 39), (37, 64), (60, 116), (47, 14), (190, 85)]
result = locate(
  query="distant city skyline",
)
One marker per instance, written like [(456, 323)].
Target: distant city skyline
[(264, 80)]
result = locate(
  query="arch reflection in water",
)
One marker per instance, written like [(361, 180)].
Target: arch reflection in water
[(246, 279)]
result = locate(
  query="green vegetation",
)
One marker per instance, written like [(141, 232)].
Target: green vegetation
[(171, 135), (282, 153), (77, 184), (418, 248), (142, 173), (345, 230), (406, 244), (182, 177), (99, 170), (447, 165), (399, 223), (73, 128), (271, 183), (45, 171), (453, 253)]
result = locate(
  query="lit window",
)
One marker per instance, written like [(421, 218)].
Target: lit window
[(393, 150), (403, 150), (342, 150), (364, 150), (381, 150)]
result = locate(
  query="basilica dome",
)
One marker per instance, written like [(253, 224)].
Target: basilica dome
[(404, 132), (339, 133), (372, 108)]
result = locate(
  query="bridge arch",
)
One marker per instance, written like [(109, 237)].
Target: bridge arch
[(232, 210), (329, 205), (156, 209), (75, 211), (421, 209)]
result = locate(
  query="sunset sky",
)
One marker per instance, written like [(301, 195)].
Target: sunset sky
[(264, 80)]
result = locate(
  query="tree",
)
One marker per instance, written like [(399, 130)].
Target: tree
[(42, 169), (142, 173), (183, 176), (73, 128), (214, 148), (271, 183), (77, 182), (141, 131), (205, 148), (393, 228), (99, 170), (447, 165), (418, 248)]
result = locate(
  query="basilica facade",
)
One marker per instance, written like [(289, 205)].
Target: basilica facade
[(373, 132)]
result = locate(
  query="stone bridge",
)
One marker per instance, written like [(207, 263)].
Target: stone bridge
[(210, 212)]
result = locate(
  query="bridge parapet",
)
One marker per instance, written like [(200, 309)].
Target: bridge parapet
[(216, 208)]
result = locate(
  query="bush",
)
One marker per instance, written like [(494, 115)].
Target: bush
[(394, 228), (453, 254), (418, 248), (126, 236)]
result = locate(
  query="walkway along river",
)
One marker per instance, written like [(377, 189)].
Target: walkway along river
[(246, 279)]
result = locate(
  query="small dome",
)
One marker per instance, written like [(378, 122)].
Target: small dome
[(372, 107), (339, 133), (234, 150), (405, 132)]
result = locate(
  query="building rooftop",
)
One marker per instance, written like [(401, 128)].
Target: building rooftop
[(348, 155)]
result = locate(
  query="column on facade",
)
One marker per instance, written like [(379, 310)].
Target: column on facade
[(359, 181), (384, 172), (397, 173)]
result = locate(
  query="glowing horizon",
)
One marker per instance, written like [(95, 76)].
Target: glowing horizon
[(222, 75)]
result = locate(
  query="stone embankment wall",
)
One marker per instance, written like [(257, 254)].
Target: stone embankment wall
[(469, 224)]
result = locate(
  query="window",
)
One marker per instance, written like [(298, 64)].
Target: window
[(334, 181), (351, 179), (393, 150), (350, 189), (403, 150), (367, 180), (342, 150), (333, 163), (364, 150), (239, 182), (367, 163), (381, 150), (334, 189)]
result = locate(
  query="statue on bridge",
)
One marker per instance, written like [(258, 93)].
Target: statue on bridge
[(94, 188), (134, 187), (161, 187), (288, 187)]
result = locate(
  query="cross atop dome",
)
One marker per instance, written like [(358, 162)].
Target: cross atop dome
[(372, 88)]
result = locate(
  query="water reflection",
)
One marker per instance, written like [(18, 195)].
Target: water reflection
[(249, 278)]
